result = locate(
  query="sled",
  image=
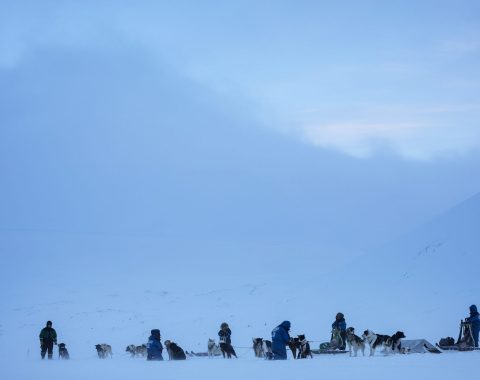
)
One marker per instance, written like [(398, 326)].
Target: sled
[(328, 352), (465, 341), (457, 348)]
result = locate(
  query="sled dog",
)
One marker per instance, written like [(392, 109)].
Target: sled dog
[(354, 342), (63, 352), (258, 347), (137, 350), (174, 351), (395, 341), (304, 347), (103, 350), (213, 349), (267, 348), (376, 340)]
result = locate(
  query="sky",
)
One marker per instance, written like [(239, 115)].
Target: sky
[(300, 123)]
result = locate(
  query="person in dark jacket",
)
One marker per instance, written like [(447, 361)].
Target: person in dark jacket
[(48, 337), (154, 346), (474, 319), (225, 335), (341, 326), (280, 340)]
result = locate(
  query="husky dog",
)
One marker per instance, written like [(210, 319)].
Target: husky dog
[(258, 347), (395, 341), (141, 350), (131, 350), (304, 347), (267, 348), (294, 346), (227, 350), (213, 349), (103, 350), (63, 352), (137, 350), (174, 351), (354, 342), (375, 340)]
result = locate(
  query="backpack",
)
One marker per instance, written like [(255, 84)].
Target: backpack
[(446, 342)]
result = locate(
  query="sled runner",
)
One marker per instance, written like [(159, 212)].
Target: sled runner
[(457, 348)]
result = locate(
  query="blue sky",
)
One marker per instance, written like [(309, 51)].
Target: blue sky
[(275, 120)]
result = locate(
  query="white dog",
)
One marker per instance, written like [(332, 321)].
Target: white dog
[(213, 349)]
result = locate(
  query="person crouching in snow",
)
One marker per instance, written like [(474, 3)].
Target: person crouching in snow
[(154, 346), (474, 320), (280, 340)]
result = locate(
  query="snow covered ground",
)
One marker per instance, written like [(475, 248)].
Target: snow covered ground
[(425, 366), (115, 290)]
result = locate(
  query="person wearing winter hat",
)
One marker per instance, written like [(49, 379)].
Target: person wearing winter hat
[(474, 320), (48, 337), (341, 326), (280, 340), (154, 346), (225, 337)]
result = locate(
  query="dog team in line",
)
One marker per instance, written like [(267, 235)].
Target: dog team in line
[(275, 349)]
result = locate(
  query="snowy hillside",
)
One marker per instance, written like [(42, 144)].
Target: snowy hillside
[(119, 288), (425, 280)]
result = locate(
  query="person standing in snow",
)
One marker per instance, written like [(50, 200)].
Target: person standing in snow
[(280, 340), (48, 337), (225, 335), (474, 320), (154, 346), (341, 326)]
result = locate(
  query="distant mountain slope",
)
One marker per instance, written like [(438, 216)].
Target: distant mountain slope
[(422, 284), (427, 278)]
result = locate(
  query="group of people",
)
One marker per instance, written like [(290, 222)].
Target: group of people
[(280, 337)]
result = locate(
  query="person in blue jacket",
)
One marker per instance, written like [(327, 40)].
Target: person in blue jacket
[(474, 319), (280, 340), (341, 326), (154, 346)]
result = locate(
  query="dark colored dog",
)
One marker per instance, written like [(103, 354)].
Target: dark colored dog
[(227, 350), (294, 346), (395, 341), (174, 351), (63, 352), (304, 348), (258, 347), (262, 348)]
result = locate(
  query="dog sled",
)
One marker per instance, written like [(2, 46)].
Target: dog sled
[(199, 354), (465, 341), (418, 346), (327, 348)]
